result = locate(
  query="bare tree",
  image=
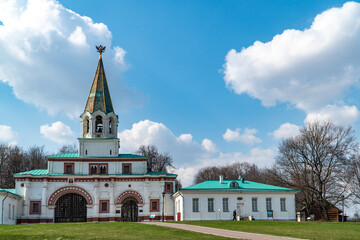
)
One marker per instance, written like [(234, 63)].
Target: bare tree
[(318, 162), (233, 171), (68, 148), (157, 162), (36, 157)]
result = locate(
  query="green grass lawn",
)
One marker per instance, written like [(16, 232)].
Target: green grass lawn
[(85, 231), (308, 230)]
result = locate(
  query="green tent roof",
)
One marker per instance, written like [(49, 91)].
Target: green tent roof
[(215, 185), (76, 155), (10, 190), (99, 96)]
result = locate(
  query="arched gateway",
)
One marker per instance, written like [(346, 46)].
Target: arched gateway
[(70, 204), (70, 207), (129, 210)]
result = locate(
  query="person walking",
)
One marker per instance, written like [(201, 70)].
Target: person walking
[(234, 215)]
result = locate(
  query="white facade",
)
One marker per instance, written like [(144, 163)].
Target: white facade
[(11, 204), (243, 207), (109, 188)]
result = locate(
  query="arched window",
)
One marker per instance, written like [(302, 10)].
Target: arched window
[(234, 185), (102, 169), (99, 124), (93, 169), (110, 125), (86, 125)]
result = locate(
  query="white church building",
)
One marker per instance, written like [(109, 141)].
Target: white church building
[(97, 184)]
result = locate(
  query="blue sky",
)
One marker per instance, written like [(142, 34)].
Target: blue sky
[(173, 78)]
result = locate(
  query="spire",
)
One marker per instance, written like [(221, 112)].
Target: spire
[(99, 96)]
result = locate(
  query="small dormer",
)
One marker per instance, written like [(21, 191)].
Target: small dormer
[(234, 184)]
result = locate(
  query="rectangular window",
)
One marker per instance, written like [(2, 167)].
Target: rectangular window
[(168, 187), (254, 204), (104, 206), (268, 204), (9, 211), (211, 205), (35, 207), (195, 202), (154, 205), (283, 204), (69, 168), (126, 168), (225, 204), (13, 212)]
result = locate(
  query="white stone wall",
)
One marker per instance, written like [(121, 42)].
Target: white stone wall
[(12, 205), (41, 191), (138, 167), (245, 205), (98, 147)]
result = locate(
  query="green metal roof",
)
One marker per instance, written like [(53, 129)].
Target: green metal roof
[(161, 173), (41, 172), (35, 172), (215, 185), (99, 96), (76, 155), (10, 190)]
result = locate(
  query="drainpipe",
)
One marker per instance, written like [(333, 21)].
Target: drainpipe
[(2, 209)]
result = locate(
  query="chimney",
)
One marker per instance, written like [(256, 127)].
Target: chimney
[(221, 179)]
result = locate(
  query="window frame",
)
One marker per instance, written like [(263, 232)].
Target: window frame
[(31, 210), (72, 168), (225, 206), (211, 205), (170, 190), (107, 206), (195, 207), (126, 165), (98, 171), (254, 204), (157, 201), (283, 204), (270, 201)]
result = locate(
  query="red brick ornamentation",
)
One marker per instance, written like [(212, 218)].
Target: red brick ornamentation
[(70, 189), (130, 193)]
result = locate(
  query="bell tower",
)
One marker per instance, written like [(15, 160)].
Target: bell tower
[(99, 123)]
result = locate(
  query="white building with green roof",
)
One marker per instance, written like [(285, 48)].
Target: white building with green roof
[(217, 200), (96, 184)]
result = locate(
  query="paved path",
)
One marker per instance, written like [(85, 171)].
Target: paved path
[(221, 232)]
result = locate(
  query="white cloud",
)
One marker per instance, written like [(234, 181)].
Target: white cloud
[(286, 130), (209, 146), (58, 132), (258, 156), (344, 115), (309, 68), (119, 55), (78, 37), (48, 56), (8, 135), (247, 137), (182, 148), (189, 155)]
